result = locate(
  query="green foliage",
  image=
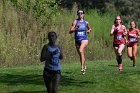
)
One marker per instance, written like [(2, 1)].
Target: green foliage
[(129, 9), (25, 23), (41, 10)]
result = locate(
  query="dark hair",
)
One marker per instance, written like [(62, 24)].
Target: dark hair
[(80, 10), (134, 22), (52, 33)]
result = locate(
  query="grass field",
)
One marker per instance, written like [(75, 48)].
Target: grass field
[(101, 77)]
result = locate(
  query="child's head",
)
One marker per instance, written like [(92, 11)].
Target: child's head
[(52, 37)]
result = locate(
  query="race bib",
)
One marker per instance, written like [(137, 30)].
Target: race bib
[(132, 39), (119, 37), (80, 34)]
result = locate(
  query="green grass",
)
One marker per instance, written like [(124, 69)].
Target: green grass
[(101, 77)]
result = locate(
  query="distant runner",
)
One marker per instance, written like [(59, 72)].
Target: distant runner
[(81, 27), (119, 32), (132, 43), (51, 54)]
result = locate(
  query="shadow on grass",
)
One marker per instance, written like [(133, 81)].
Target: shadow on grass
[(29, 92), (129, 73), (25, 80), (11, 79), (34, 79), (113, 65), (67, 80)]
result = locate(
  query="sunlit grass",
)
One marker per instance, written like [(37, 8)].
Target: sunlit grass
[(100, 77)]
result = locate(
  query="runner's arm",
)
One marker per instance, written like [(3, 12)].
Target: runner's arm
[(125, 34), (112, 31), (88, 27), (73, 28), (44, 53), (138, 33), (125, 31), (61, 54)]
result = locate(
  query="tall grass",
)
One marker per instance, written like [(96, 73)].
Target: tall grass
[(19, 38), (100, 43), (23, 33)]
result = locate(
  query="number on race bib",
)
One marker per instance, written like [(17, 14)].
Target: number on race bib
[(132, 39), (119, 37), (80, 33)]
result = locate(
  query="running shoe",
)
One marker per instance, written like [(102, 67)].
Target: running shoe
[(83, 72), (134, 65), (120, 68)]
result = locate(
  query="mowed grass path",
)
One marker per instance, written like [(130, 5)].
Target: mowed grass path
[(101, 77)]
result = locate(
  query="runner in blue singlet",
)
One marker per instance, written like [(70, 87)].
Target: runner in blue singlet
[(81, 27), (80, 33), (51, 54)]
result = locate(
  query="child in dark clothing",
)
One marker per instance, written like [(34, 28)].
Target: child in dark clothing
[(51, 54)]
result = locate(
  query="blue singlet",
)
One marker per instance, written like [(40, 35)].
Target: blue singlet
[(53, 63), (80, 34)]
